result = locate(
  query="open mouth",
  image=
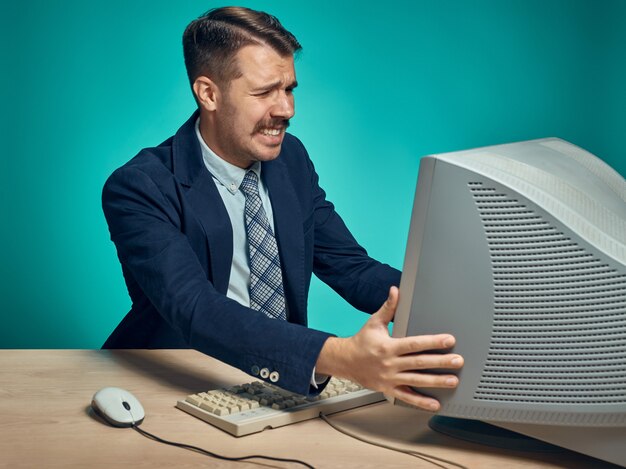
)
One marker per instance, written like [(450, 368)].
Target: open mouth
[(272, 132)]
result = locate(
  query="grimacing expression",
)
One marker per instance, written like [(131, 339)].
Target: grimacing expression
[(253, 112)]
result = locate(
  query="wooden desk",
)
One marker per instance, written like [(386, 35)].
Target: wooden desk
[(46, 422)]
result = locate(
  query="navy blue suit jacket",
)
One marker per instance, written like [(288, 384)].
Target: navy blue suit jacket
[(174, 241)]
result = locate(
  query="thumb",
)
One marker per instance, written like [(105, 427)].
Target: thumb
[(388, 309)]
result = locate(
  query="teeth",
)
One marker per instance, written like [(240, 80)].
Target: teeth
[(273, 132)]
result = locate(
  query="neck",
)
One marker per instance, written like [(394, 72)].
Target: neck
[(209, 135)]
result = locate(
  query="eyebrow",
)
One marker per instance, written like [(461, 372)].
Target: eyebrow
[(273, 85)]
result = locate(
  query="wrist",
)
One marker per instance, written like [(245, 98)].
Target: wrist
[(332, 358)]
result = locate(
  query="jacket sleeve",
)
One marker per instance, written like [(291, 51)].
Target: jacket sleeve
[(145, 225)]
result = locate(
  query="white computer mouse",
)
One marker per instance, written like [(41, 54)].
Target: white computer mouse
[(118, 407)]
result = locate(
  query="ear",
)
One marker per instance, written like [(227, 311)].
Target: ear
[(206, 92)]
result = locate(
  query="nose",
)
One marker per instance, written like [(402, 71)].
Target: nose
[(284, 106)]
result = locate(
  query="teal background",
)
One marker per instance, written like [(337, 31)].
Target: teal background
[(86, 85)]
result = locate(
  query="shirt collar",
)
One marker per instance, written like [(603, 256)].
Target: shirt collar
[(227, 174)]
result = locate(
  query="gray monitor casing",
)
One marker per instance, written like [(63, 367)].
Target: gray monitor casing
[(519, 250)]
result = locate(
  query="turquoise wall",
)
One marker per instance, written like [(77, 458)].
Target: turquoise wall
[(86, 85)]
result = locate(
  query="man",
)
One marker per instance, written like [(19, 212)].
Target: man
[(219, 228)]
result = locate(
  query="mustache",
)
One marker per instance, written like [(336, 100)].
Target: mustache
[(282, 124)]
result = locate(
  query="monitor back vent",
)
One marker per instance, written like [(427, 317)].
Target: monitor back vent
[(559, 330)]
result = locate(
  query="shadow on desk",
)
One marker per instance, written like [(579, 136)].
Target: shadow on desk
[(408, 429)]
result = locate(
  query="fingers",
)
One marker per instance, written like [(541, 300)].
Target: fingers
[(429, 361), (427, 380), (421, 343), (388, 309), (408, 395)]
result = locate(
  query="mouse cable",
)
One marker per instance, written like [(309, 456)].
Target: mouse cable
[(416, 454), (214, 455)]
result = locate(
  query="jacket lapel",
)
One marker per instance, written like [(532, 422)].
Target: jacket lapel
[(205, 202)]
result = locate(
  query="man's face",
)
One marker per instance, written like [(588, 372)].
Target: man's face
[(253, 112)]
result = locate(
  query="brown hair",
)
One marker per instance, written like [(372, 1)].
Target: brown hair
[(211, 42)]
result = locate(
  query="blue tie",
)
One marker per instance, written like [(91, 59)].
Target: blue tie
[(266, 280)]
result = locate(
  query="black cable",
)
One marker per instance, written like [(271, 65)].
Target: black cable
[(214, 455), (434, 460)]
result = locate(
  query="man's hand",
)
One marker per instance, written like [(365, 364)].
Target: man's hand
[(391, 365)]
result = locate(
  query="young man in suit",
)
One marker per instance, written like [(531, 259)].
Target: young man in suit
[(219, 229)]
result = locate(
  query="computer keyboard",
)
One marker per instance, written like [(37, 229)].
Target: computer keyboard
[(253, 407)]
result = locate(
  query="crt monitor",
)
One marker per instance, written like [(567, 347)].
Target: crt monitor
[(519, 250)]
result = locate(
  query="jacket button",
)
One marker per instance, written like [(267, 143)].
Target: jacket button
[(274, 376), (264, 373), (255, 370)]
